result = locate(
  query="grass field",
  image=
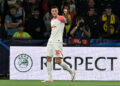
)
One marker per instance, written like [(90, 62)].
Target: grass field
[(59, 83)]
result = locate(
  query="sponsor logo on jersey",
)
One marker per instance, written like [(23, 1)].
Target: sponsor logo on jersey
[(53, 27)]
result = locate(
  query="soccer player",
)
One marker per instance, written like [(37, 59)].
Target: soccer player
[(55, 44)]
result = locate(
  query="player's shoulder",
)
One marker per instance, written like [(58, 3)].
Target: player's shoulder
[(61, 18)]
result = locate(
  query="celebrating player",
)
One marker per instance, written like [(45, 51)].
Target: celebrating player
[(55, 44)]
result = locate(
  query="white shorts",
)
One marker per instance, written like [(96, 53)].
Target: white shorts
[(54, 50)]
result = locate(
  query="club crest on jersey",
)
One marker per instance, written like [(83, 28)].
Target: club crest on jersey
[(53, 27)]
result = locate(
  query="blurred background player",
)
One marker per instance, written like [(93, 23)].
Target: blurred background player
[(55, 44)]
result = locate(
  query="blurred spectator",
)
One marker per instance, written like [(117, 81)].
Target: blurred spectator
[(34, 4), (11, 2), (20, 10), (71, 6), (21, 34), (12, 21), (81, 6), (91, 3), (93, 22), (47, 20), (1, 1), (80, 31), (100, 5), (4, 9), (74, 22), (46, 6), (67, 15), (109, 24), (84, 6), (29, 6), (35, 25), (90, 9)]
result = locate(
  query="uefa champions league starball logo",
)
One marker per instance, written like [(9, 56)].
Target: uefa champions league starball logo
[(23, 63)]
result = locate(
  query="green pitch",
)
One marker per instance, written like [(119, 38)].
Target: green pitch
[(59, 83)]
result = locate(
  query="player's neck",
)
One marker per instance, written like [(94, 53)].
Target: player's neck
[(55, 17)]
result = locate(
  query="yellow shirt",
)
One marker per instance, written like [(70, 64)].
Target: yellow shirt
[(21, 35), (67, 27)]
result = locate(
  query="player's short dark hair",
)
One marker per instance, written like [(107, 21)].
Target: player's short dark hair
[(54, 7)]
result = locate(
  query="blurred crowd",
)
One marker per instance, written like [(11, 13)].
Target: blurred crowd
[(30, 19)]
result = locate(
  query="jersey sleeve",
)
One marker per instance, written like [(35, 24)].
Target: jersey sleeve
[(61, 18)]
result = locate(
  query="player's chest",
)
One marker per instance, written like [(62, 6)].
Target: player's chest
[(55, 24)]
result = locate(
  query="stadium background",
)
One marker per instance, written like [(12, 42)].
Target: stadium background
[(39, 29)]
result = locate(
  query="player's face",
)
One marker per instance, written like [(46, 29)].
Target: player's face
[(54, 12)]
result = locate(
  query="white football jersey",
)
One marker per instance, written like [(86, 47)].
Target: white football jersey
[(57, 26)]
